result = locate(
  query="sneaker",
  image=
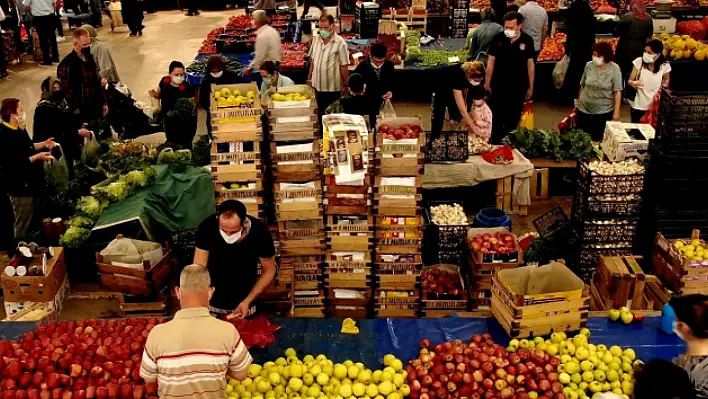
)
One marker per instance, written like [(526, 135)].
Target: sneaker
[(61, 39)]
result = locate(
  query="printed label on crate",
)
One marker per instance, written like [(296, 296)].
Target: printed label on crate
[(398, 241), (295, 157), (304, 265), (307, 277), (299, 233), (238, 194), (398, 190), (350, 228), (296, 193), (398, 221), (413, 149), (235, 157)]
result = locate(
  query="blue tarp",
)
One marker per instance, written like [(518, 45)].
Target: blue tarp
[(401, 337)]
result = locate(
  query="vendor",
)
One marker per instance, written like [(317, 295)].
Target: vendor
[(171, 88), (216, 73), (449, 98), (272, 78), (230, 245), (691, 325)]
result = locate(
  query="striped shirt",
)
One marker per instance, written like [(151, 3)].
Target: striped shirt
[(189, 356), (535, 18), (326, 60)]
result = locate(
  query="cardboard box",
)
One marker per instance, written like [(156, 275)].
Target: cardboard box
[(37, 288), (56, 304), (626, 140)]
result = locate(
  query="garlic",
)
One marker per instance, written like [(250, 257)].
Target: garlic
[(448, 214), (626, 167)]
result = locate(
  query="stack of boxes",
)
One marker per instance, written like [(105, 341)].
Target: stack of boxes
[(366, 19), (458, 18)]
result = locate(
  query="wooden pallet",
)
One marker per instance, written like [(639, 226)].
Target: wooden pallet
[(505, 198)]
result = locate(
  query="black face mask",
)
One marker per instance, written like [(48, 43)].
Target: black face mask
[(86, 51)]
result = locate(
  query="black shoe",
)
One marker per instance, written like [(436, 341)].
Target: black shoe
[(46, 63), (196, 13), (132, 34), (189, 14)]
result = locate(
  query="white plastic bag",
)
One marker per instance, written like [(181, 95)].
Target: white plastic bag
[(131, 253), (387, 110), (559, 71)]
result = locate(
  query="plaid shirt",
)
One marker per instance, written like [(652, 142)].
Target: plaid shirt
[(81, 83)]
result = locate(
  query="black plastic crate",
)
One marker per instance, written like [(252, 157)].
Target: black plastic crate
[(459, 23), (683, 115), (459, 13), (451, 257), (552, 222), (234, 47), (458, 33), (606, 205), (447, 147), (447, 237), (367, 13), (610, 231), (592, 183), (684, 161)]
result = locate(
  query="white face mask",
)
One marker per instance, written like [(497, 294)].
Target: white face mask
[(598, 61), (21, 118), (474, 82), (178, 79), (510, 33), (217, 74), (648, 58), (676, 331), (230, 239)]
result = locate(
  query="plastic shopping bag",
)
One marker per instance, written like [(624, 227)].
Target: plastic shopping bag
[(387, 110), (652, 112), (56, 171), (91, 151), (560, 70), (527, 117)]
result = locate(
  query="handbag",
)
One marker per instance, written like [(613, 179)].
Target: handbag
[(630, 93)]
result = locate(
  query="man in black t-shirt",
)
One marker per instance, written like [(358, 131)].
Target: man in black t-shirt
[(510, 75), (230, 244)]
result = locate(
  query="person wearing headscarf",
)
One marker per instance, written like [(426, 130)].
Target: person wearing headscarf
[(578, 46), (101, 52), (216, 73), (52, 119), (634, 30)]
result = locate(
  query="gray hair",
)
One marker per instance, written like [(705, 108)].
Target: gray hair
[(260, 16), (194, 278), (487, 14)]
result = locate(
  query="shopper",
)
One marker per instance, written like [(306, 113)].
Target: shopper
[(633, 30), (650, 72), (272, 78), (600, 92), (578, 46), (44, 21), (216, 74), (21, 164), (101, 53), (189, 355), (377, 73), (232, 236), (3, 65), (481, 114), (483, 36), (52, 120), (133, 16), (60, 27), (171, 88), (329, 65), (535, 23), (510, 75), (267, 45), (356, 102), (691, 325), (651, 382), (449, 99)]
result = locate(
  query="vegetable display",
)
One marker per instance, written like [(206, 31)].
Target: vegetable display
[(198, 67), (535, 143), (448, 214), (627, 167)]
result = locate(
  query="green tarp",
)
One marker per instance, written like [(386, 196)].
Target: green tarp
[(179, 199)]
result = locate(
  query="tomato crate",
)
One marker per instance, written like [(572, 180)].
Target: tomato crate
[(445, 301), (675, 269), (296, 162)]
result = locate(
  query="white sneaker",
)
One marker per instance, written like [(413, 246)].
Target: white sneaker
[(60, 39)]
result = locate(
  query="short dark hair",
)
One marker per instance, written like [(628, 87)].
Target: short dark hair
[(378, 50), (78, 32), (269, 66), (514, 15), (328, 18), (356, 83), (488, 14), (8, 106), (658, 48), (651, 381), (215, 62), (692, 310), (174, 65), (478, 92), (604, 50), (230, 207)]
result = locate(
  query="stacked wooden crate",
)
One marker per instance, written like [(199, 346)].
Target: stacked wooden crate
[(236, 148), (349, 222), (297, 189), (619, 281), (676, 263), (398, 216)]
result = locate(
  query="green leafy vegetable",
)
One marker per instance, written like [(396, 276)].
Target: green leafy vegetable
[(80, 221), (577, 145), (73, 237), (90, 207), (534, 143)]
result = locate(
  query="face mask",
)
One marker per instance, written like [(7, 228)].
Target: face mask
[(230, 239), (217, 74), (57, 95), (510, 33), (325, 34), (377, 66), (21, 118), (648, 58), (268, 80), (598, 61), (474, 82), (86, 50), (178, 79)]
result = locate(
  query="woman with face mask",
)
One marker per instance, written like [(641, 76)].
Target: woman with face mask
[(272, 78), (216, 73), (450, 107), (171, 88), (21, 164), (691, 325), (650, 72), (600, 92)]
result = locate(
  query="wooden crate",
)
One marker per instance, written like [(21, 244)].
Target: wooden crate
[(485, 263), (301, 238), (129, 305), (620, 280), (505, 198), (291, 211), (347, 200), (247, 167), (400, 274), (350, 237), (245, 115), (399, 159), (539, 184), (384, 206), (284, 172), (145, 281), (364, 302), (252, 198), (675, 270), (432, 301), (348, 274), (406, 307)]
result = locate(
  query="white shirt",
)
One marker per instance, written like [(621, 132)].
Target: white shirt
[(535, 17), (326, 60), (267, 46), (651, 81), (40, 8)]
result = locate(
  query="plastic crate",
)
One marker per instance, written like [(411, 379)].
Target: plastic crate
[(596, 184), (459, 13), (680, 160), (606, 231), (682, 115), (464, 4), (367, 13), (458, 33), (459, 23), (233, 47), (447, 237), (552, 222), (447, 147)]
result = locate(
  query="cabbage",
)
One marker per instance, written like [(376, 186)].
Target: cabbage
[(90, 207), (80, 221), (74, 236), (136, 178), (116, 191)]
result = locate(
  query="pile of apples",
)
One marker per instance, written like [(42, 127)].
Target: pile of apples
[(405, 131), (82, 359), (442, 283), (501, 243), (626, 315), (481, 369), (553, 48), (290, 377)]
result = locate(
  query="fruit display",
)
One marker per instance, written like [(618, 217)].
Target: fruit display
[(499, 243), (626, 167), (682, 47), (605, 9), (290, 97), (78, 359), (585, 369), (290, 377), (208, 45), (613, 42), (448, 214), (405, 131), (443, 283), (626, 315), (228, 98), (293, 55), (695, 250), (553, 48), (481, 369)]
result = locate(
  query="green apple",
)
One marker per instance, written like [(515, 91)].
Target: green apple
[(376, 376), (538, 340), (254, 370), (603, 367), (405, 390), (308, 379), (397, 365), (387, 359), (263, 386), (585, 332), (613, 314), (588, 376), (274, 378), (364, 376), (595, 386), (308, 359), (533, 395), (352, 372), (576, 378), (564, 378), (514, 342), (552, 349), (398, 380), (627, 317), (594, 360), (599, 375), (524, 343), (345, 391), (290, 352), (615, 350), (386, 376), (295, 384), (582, 353), (394, 395), (606, 386), (556, 338), (627, 388), (340, 371), (566, 359), (385, 388), (586, 365), (315, 370), (583, 386), (358, 389)]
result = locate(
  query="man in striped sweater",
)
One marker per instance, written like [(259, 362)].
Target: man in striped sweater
[(191, 356)]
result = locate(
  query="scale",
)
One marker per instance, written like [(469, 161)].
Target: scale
[(661, 17)]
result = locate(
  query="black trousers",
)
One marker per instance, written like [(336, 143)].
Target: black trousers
[(506, 103), (324, 100), (192, 7), (636, 114), (46, 26), (593, 124), (3, 66), (442, 102), (60, 27)]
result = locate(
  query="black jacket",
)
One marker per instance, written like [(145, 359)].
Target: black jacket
[(376, 84), (53, 119), (20, 177), (229, 77)]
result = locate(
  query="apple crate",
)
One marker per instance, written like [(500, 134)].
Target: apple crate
[(493, 261), (298, 202), (301, 238), (397, 155), (246, 114), (535, 301), (146, 281), (390, 304), (295, 164), (676, 270), (343, 199), (304, 105), (445, 301)]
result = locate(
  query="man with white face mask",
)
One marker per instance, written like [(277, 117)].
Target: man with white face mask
[(216, 73), (510, 75), (230, 245)]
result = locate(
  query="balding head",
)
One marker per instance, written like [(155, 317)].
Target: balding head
[(195, 288), (81, 38), (260, 18)]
